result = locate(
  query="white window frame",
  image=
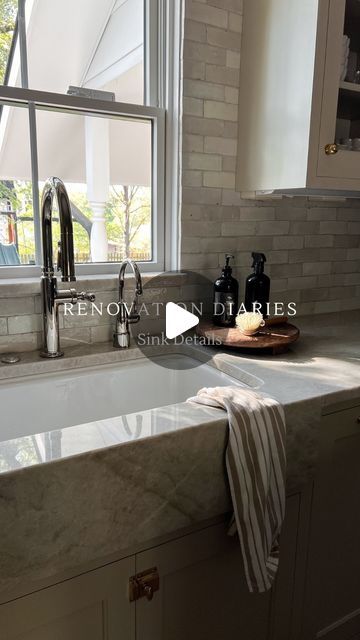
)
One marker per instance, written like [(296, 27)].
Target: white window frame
[(162, 38)]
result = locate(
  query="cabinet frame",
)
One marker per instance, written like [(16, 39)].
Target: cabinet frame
[(339, 423)]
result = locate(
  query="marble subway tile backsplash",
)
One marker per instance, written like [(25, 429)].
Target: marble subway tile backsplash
[(21, 319)]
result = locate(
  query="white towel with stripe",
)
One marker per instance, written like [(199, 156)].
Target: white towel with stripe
[(256, 467)]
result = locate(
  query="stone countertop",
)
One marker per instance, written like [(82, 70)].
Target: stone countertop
[(114, 485), (324, 363), (320, 370)]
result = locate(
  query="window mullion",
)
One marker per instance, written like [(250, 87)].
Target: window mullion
[(173, 28), (51, 100), (32, 131), (35, 182), (152, 37), (23, 45)]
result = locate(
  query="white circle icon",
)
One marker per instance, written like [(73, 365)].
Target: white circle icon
[(178, 320)]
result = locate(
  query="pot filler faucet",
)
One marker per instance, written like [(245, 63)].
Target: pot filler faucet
[(52, 297), (125, 316)]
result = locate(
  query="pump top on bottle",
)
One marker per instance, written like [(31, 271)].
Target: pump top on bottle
[(226, 293), (257, 289)]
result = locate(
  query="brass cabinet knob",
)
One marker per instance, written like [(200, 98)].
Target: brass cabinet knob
[(331, 149), (149, 592)]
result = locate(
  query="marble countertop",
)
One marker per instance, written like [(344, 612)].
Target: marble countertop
[(321, 369), (115, 484), (324, 362)]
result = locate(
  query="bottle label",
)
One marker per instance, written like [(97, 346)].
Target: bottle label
[(224, 308)]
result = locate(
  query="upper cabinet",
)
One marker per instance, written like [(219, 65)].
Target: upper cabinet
[(299, 101)]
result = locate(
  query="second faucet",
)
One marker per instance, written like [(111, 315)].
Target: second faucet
[(127, 316)]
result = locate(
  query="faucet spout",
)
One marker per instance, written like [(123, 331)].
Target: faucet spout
[(52, 298), (54, 187), (125, 316)]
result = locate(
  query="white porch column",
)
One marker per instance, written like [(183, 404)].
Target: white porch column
[(98, 181)]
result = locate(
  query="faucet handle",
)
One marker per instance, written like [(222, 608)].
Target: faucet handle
[(133, 318), (83, 295)]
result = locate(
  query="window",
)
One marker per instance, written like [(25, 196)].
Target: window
[(17, 234), (106, 166), (83, 95)]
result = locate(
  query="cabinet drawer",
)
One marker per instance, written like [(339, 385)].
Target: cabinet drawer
[(92, 606), (341, 423), (351, 417)]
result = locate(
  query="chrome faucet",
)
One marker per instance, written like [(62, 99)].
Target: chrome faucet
[(127, 316), (52, 297)]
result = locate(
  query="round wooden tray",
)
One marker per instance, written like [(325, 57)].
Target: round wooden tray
[(277, 337)]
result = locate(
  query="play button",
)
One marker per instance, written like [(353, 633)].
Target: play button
[(178, 320), (160, 331)]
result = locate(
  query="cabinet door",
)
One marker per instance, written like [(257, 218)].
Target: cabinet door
[(93, 606), (288, 589), (203, 594), (333, 592), (340, 100)]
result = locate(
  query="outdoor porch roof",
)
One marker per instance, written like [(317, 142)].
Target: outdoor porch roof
[(87, 43)]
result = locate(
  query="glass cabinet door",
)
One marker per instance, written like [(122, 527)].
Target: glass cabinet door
[(339, 149)]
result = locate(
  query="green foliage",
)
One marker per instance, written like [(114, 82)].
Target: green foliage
[(8, 11), (81, 237), (8, 193), (19, 195), (128, 212), (25, 228)]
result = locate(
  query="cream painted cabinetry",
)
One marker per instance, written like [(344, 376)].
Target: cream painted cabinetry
[(294, 105), (202, 595), (332, 604), (93, 606)]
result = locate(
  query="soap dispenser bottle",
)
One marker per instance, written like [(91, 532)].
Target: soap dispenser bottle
[(257, 290), (226, 293)]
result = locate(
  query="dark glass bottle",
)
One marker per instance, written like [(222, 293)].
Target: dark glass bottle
[(257, 288), (226, 293)]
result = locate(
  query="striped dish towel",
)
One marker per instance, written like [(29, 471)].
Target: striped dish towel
[(256, 466)]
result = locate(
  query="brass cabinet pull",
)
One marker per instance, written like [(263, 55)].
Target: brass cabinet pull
[(144, 584), (331, 149)]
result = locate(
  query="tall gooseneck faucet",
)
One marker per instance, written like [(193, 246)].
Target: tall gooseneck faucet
[(52, 297), (127, 316)]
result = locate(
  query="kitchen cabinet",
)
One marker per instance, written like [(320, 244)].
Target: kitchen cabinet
[(92, 606), (203, 593), (294, 105), (194, 589), (192, 586), (332, 604)]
